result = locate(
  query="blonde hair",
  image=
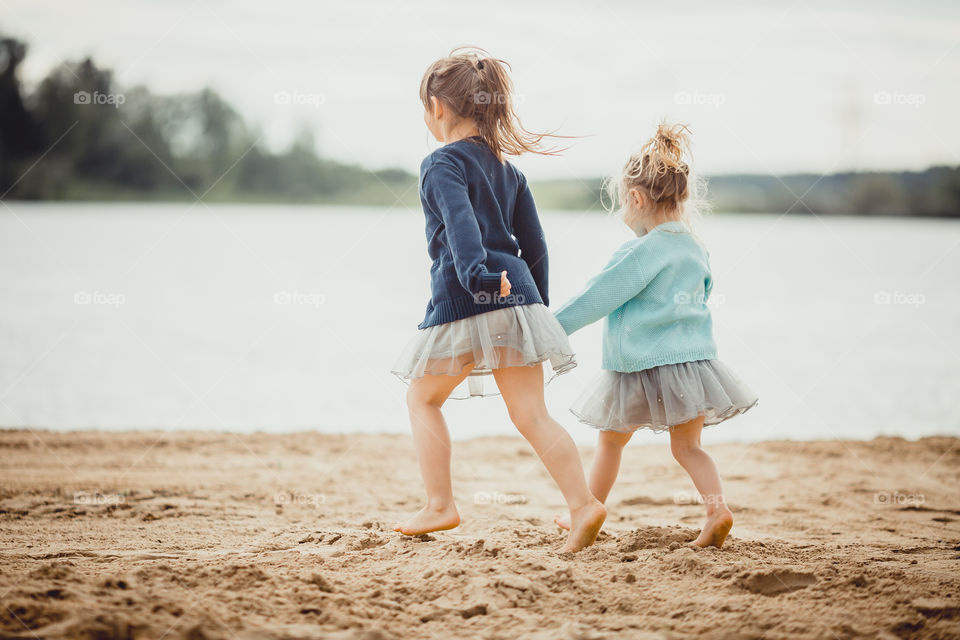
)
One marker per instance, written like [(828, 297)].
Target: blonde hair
[(661, 170), (478, 87)]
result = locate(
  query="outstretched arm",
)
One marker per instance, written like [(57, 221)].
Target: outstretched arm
[(622, 279)]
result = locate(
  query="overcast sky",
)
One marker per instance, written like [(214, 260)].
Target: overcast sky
[(786, 87)]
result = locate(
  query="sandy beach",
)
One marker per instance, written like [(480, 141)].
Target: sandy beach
[(211, 535)]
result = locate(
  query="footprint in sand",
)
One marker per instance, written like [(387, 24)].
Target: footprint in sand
[(937, 608), (369, 541), (775, 581), (654, 538)]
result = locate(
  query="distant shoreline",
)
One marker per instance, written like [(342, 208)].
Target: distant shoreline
[(548, 203), (197, 146), (933, 193)]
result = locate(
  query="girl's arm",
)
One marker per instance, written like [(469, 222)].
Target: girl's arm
[(622, 279), (445, 190), (529, 234)]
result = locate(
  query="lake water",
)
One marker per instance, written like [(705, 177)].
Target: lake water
[(287, 318)]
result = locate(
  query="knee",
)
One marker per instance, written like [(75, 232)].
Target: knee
[(529, 420), (418, 398), (613, 440)]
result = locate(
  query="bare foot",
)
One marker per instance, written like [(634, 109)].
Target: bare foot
[(563, 521), (428, 519), (716, 530), (585, 525)]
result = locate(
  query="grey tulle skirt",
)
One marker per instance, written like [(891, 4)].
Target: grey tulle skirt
[(524, 335), (663, 397)]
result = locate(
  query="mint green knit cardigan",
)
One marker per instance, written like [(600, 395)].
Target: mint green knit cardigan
[(653, 296)]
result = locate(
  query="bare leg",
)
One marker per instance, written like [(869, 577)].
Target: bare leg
[(606, 462), (432, 443), (685, 444), (522, 389), (606, 465)]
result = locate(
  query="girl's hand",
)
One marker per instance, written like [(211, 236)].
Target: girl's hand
[(504, 285)]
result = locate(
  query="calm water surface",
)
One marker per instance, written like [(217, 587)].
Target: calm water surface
[(286, 318)]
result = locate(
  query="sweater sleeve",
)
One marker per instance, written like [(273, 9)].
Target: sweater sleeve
[(445, 191), (619, 281), (529, 234)]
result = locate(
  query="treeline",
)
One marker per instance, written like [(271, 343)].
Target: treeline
[(933, 192), (78, 136)]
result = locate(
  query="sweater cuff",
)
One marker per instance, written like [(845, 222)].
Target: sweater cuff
[(490, 282)]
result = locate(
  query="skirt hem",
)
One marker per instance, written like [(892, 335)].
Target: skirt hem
[(663, 397), (709, 422), (558, 371)]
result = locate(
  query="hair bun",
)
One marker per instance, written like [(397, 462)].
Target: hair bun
[(667, 148)]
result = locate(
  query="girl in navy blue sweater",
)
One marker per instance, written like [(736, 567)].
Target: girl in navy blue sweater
[(487, 314)]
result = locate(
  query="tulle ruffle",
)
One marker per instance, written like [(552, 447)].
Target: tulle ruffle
[(663, 397), (517, 336)]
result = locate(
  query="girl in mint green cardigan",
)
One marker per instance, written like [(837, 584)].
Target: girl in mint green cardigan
[(659, 360)]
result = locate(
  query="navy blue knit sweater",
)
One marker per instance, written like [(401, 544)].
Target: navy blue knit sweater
[(481, 219)]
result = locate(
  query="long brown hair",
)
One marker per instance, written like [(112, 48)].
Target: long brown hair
[(477, 86)]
